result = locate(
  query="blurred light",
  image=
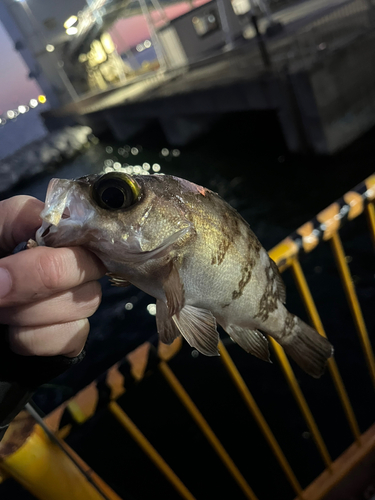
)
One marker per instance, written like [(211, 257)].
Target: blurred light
[(82, 58), (151, 308), (11, 114), (128, 169), (176, 152), (139, 47), (109, 149), (129, 306), (137, 169), (121, 151), (72, 31), (108, 163), (33, 103), (117, 165), (165, 152), (27, 109), (42, 99), (194, 353), (134, 151), (127, 148), (147, 44), (156, 167), (22, 109), (71, 21), (146, 166), (50, 47)]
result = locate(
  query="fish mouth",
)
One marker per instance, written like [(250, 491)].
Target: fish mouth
[(66, 210)]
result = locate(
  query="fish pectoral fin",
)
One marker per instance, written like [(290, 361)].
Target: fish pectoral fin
[(198, 327), (251, 341), (281, 290), (117, 280), (167, 330), (174, 290)]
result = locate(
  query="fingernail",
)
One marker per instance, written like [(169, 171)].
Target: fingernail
[(5, 282)]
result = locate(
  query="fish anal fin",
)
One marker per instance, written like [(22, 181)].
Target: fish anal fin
[(251, 341), (118, 280), (279, 282), (174, 290), (167, 330), (198, 327)]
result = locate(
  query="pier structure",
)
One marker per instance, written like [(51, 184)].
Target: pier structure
[(315, 71)]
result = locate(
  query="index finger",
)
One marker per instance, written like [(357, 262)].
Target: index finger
[(19, 219), (43, 271)]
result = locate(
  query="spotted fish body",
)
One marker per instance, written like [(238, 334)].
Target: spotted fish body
[(184, 245)]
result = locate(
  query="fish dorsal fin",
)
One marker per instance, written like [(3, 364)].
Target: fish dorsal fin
[(174, 290), (251, 341), (118, 280), (198, 327), (167, 329), (279, 282)]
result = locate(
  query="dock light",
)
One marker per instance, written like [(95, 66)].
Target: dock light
[(72, 31), (71, 21), (50, 47), (22, 109), (11, 114), (42, 99), (33, 103)]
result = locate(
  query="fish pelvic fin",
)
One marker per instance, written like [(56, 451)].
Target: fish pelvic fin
[(305, 346), (167, 329), (252, 341), (198, 327), (174, 290)]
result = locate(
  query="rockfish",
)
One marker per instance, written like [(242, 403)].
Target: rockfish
[(185, 246)]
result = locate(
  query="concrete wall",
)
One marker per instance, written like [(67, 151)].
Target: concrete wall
[(344, 89)]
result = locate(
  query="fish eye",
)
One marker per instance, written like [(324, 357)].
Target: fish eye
[(114, 191)]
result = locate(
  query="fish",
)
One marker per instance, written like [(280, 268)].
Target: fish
[(184, 245)]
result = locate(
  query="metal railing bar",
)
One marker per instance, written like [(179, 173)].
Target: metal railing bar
[(259, 418), (308, 236), (150, 451), (206, 429), (352, 298), (301, 401), (370, 213), (332, 366)]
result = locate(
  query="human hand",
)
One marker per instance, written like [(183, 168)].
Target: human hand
[(46, 294)]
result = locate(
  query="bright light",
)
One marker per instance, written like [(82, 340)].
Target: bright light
[(146, 166), (165, 151), (42, 99), (147, 44), (33, 103), (50, 47), (70, 22), (22, 109), (151, 308), (128, 306), (139, 47), (71, 31), (156, 167), (11, 114), (134, 151)]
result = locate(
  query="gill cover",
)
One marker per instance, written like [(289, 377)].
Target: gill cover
[(115, 191)]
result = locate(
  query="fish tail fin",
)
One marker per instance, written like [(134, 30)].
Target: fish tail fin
[(307, 348)]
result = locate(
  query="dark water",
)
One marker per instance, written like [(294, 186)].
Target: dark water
[(244, 159)]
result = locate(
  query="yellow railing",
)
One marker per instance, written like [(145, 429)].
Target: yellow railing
[(56, 458)]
